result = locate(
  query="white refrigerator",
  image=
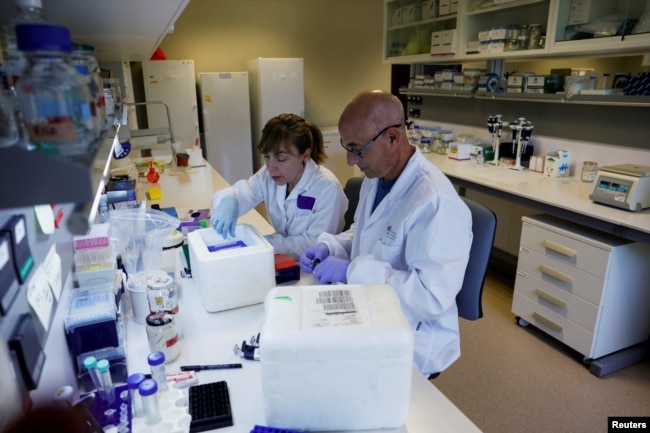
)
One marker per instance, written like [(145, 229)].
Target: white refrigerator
[(227, 123), (172, 82), (276, 87)]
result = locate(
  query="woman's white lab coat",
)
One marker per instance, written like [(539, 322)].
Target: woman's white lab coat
[(417, 240), (315, 205)]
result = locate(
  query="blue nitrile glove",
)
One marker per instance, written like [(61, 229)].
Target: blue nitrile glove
[(313, 255), (332, 270), (224, 216)]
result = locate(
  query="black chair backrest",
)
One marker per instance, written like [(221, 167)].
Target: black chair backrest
[(351, 190)]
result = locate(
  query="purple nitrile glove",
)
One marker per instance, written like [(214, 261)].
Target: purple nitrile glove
[(313, 255), (332, 270)]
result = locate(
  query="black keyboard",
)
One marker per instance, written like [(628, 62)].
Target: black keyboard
[(209, 406)]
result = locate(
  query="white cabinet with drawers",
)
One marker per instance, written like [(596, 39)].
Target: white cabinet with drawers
[(588, 289)]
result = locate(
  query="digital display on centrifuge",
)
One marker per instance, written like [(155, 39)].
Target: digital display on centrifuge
[(613, 186)]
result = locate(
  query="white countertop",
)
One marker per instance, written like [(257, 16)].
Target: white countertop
[(567, 193), (209, 338)]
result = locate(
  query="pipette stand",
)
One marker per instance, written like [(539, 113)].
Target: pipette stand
[(518, 127), (495, 124), (518, 165)]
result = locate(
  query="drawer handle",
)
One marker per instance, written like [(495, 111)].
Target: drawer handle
[(546, 322), (561, 249), (555, 274), (550, 298)]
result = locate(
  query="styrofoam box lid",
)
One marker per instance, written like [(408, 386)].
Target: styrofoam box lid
[(210, 245), (334, 322)]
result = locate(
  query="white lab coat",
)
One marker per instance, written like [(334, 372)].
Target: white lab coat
[(296, 219), (417, 240)]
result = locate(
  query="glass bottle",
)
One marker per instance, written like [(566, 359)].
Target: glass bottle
[(53, 97), (9, 134), (84, 61), (29, 11), (589, 171)]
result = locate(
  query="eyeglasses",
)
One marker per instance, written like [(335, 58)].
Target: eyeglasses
[(363, 150)]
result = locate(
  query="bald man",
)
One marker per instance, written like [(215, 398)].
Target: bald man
[(411, 230)]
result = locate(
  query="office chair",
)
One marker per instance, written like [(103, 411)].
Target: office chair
[(484, 223), (351, 190)]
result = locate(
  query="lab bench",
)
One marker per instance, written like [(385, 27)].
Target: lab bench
[(209, 338)]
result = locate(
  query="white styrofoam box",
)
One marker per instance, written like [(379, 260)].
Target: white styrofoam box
[(453, 7), (336, 358), (233, 272)]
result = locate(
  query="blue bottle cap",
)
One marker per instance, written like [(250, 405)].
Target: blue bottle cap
[(156, 358), (46, 37), (148, 387), (134, 380)]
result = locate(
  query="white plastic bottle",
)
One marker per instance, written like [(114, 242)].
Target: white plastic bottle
[(156, 361), (148, 392), (133, 383)]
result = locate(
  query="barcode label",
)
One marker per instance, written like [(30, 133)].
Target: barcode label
[(336, 301)]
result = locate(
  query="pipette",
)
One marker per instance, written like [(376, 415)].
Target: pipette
[(494, 126)]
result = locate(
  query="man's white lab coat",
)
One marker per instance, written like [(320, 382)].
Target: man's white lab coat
[(416, 240)]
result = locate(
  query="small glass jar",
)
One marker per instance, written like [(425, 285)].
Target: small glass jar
[(162, 334), (534, 33), (161, 293), (589, 171)]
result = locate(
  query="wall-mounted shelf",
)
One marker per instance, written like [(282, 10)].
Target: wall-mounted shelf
[(614, 100), (556, 17)]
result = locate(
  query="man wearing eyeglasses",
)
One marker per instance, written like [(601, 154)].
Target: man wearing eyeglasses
[(411, 230)]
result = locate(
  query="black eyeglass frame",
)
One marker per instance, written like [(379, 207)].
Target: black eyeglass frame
[(365, 148)]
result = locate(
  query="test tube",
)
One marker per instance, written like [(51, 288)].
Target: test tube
[(133, 382), (156, 361), (105, 381), (90, 363), (148, 389)]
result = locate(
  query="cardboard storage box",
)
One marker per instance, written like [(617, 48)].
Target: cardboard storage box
[(233, 272), (335, 357), (429, 9)]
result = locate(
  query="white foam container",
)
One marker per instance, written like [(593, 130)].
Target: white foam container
[(231, 277), (341, 371)]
